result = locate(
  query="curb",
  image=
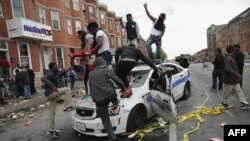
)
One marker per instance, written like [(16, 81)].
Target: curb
[(26, 106)]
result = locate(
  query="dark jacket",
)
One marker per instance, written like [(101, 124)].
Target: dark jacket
[(31, 75), (219, 61), (24, 76), (132, 53), (231, 72), (239, 59), (51, 81), (131, 30), (99, 81), (183, 62)]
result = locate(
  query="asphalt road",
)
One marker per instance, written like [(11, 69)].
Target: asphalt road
[(15, 130)]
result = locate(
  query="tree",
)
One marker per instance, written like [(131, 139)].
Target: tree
[(163, 55)]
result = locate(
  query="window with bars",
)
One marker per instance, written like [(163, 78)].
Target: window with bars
[(111, 25), (59, 57)]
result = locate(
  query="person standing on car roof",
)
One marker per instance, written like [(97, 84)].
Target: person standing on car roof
[(132, 29), (102, 91), (129, 56), (157, 31)]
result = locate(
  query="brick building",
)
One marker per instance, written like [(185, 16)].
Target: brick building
[(212, 39), (237, 31), (36, 32)]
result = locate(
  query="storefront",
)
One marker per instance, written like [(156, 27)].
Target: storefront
[(26, 43)]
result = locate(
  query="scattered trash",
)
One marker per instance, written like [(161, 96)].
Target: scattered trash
[(81, 92), (47, 103), (31, 115), (32, 109), (133, 134), (29, 122), (14, 117), (215, 139), (15, 104), (166, 131), (222, 124), (41, 106), (207, 86)]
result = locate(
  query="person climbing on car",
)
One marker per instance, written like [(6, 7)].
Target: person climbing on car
[(103, 92), (129, 56), (84, 53)]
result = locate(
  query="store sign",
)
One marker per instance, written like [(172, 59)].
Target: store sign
[(24, 28)]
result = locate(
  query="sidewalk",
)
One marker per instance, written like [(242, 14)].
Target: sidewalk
[(19, 104)]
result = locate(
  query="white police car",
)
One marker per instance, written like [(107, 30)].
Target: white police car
[(151, 96)]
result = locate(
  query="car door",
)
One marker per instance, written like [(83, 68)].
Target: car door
[(176, 81), (161, 99)]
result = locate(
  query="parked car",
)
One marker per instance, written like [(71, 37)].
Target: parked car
[(151, 95)]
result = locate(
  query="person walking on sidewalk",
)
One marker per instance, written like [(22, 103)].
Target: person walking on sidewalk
[(232, 79), (218, 69), (102, 91), (52, 93), (239, 59), (156, 34), (129, 57), (132, 29)]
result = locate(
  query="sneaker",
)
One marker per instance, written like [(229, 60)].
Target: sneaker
[(224, 104), (56, 134), (244, 106), (127, 93), (70, 108), (115, 110)]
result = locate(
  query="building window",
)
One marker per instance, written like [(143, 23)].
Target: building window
[(18, 8), (1, 10), (119, 41), (3, 45), (67, 3), (83, 9), (55, 20), (112, 40), (103, 20), (59, 57), (42, 16), (24, 54), (76, 5), (69, 26), (78, 25), (118, 27), (111, 25), (91, 12)]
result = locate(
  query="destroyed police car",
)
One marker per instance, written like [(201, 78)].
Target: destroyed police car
[(151, 95)]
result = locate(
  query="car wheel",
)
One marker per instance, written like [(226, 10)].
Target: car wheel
[(136, 118), (186, 92)]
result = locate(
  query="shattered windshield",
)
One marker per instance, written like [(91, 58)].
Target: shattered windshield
[(137, 78)]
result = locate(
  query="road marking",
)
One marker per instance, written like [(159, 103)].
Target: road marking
[(172, 132)]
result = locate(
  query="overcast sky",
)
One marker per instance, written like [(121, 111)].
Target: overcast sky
[(186, 20)]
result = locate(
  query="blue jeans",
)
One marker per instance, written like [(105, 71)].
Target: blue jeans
[(26, 92), (106, 55), (152, 39), (217, 73)]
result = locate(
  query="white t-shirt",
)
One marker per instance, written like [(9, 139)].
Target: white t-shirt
[(154, 31), (105, 44)]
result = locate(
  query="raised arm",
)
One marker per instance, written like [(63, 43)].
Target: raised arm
[(149, 15)]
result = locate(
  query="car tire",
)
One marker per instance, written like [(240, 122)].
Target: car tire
[(186, 92), (136, 118)]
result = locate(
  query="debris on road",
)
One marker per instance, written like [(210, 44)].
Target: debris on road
[(29, 122), (222, 124), (215, 139)]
